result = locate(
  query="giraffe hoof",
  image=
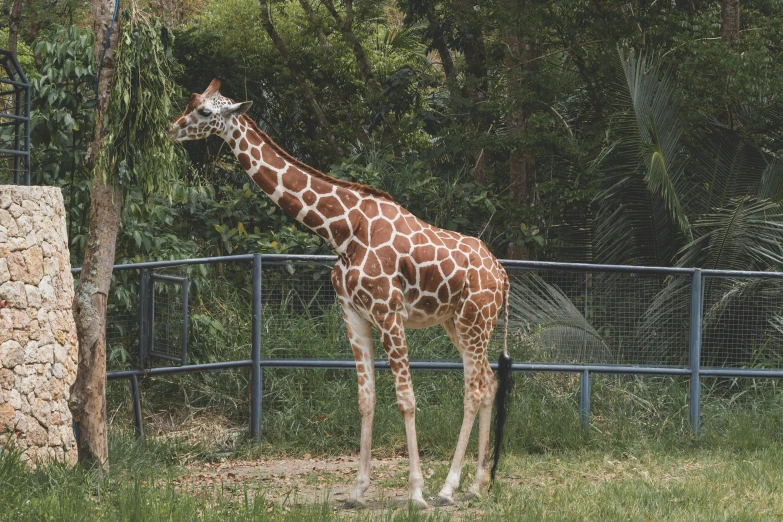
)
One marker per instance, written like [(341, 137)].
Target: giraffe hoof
[(418, 503), (354, 504), (470, 495), (444, 501)]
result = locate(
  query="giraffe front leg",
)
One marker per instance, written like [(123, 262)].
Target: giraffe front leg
[(360, 335), (393, 335)]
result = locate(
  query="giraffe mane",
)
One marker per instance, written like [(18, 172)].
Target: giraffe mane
[(364, 189)]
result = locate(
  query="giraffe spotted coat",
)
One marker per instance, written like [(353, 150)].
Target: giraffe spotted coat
[(394, 272)]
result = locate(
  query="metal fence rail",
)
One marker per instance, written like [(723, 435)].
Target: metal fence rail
[(565, 318), (14, 121)]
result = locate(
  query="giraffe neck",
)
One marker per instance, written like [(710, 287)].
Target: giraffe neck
[(319, 202)]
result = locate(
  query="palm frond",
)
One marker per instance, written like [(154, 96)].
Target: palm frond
[(542, 315), (642, 212), (746, 234)]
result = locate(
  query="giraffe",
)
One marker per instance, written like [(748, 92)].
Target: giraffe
[(393, 272)]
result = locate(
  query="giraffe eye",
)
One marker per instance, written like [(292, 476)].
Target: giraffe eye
[(205, 112)]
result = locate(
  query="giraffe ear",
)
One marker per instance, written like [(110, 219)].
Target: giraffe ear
[(237, 109)]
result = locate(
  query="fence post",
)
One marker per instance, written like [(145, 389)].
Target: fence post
[(143, 278), (694, 353), (136, 398), (584, 399), (255, 369)]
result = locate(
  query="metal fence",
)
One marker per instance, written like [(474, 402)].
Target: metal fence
[(14, 121), (568, 318)]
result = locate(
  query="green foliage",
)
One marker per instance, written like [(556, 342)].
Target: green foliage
[(137, 147)]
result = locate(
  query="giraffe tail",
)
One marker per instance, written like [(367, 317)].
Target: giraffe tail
[(504, 384)]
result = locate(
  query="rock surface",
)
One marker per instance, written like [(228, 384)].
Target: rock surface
[(38, 346)]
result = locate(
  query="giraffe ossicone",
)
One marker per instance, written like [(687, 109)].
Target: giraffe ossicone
[(394, 272)]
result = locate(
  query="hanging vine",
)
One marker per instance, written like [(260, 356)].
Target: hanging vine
[(137, 145)]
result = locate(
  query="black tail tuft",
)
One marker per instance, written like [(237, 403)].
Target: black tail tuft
[(501, 399)]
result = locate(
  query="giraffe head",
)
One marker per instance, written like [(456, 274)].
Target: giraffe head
[(208, 113)]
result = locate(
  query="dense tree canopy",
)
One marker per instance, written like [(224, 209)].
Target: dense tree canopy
[(626, 132)]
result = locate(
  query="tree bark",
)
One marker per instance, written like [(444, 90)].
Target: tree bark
[(314, 22), (520, 50), (346, 30), (299, 78), (730, 14), (308, 9), (439, 42), (88, 394), (13, 25)]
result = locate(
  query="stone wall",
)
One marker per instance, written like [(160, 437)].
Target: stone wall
[(38, 347)]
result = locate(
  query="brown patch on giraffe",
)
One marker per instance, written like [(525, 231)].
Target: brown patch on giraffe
[(401, 244), (330, 207), (352, 280), (424, 253), (243, 144), (408, 270), (411, 294), (430, 278), (370, 208), (372, 265), (271, 158), (389, 211), (312, 219), (443, 293), (413, 223), (402, 227), (309, 197), (339, 288), (380, 309), (447, 266), (321, 231), (356, 250), (255, 153), (348, 198), (321, 186), (236, 134), (340, 231), (428, 304), (244, 160), (360, 230), (470, 312), (254, 138), (294, 180), (388, 258), (232, 144), (290, 204), (379, 288), (381, 232), (364, 298)]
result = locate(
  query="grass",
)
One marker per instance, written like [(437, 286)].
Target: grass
[(659, 484), (638, 460)]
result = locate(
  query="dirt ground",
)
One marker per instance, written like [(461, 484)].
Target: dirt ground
[(287, 482)]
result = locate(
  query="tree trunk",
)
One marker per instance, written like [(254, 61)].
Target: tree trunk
[(346, 29), (308, 9), (730, 15), (13, 25), (439, 42), (88, 394), (314, 22), (299, 78), (520, 51)]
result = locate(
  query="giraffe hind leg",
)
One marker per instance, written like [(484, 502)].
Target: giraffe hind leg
[(475, 390)]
